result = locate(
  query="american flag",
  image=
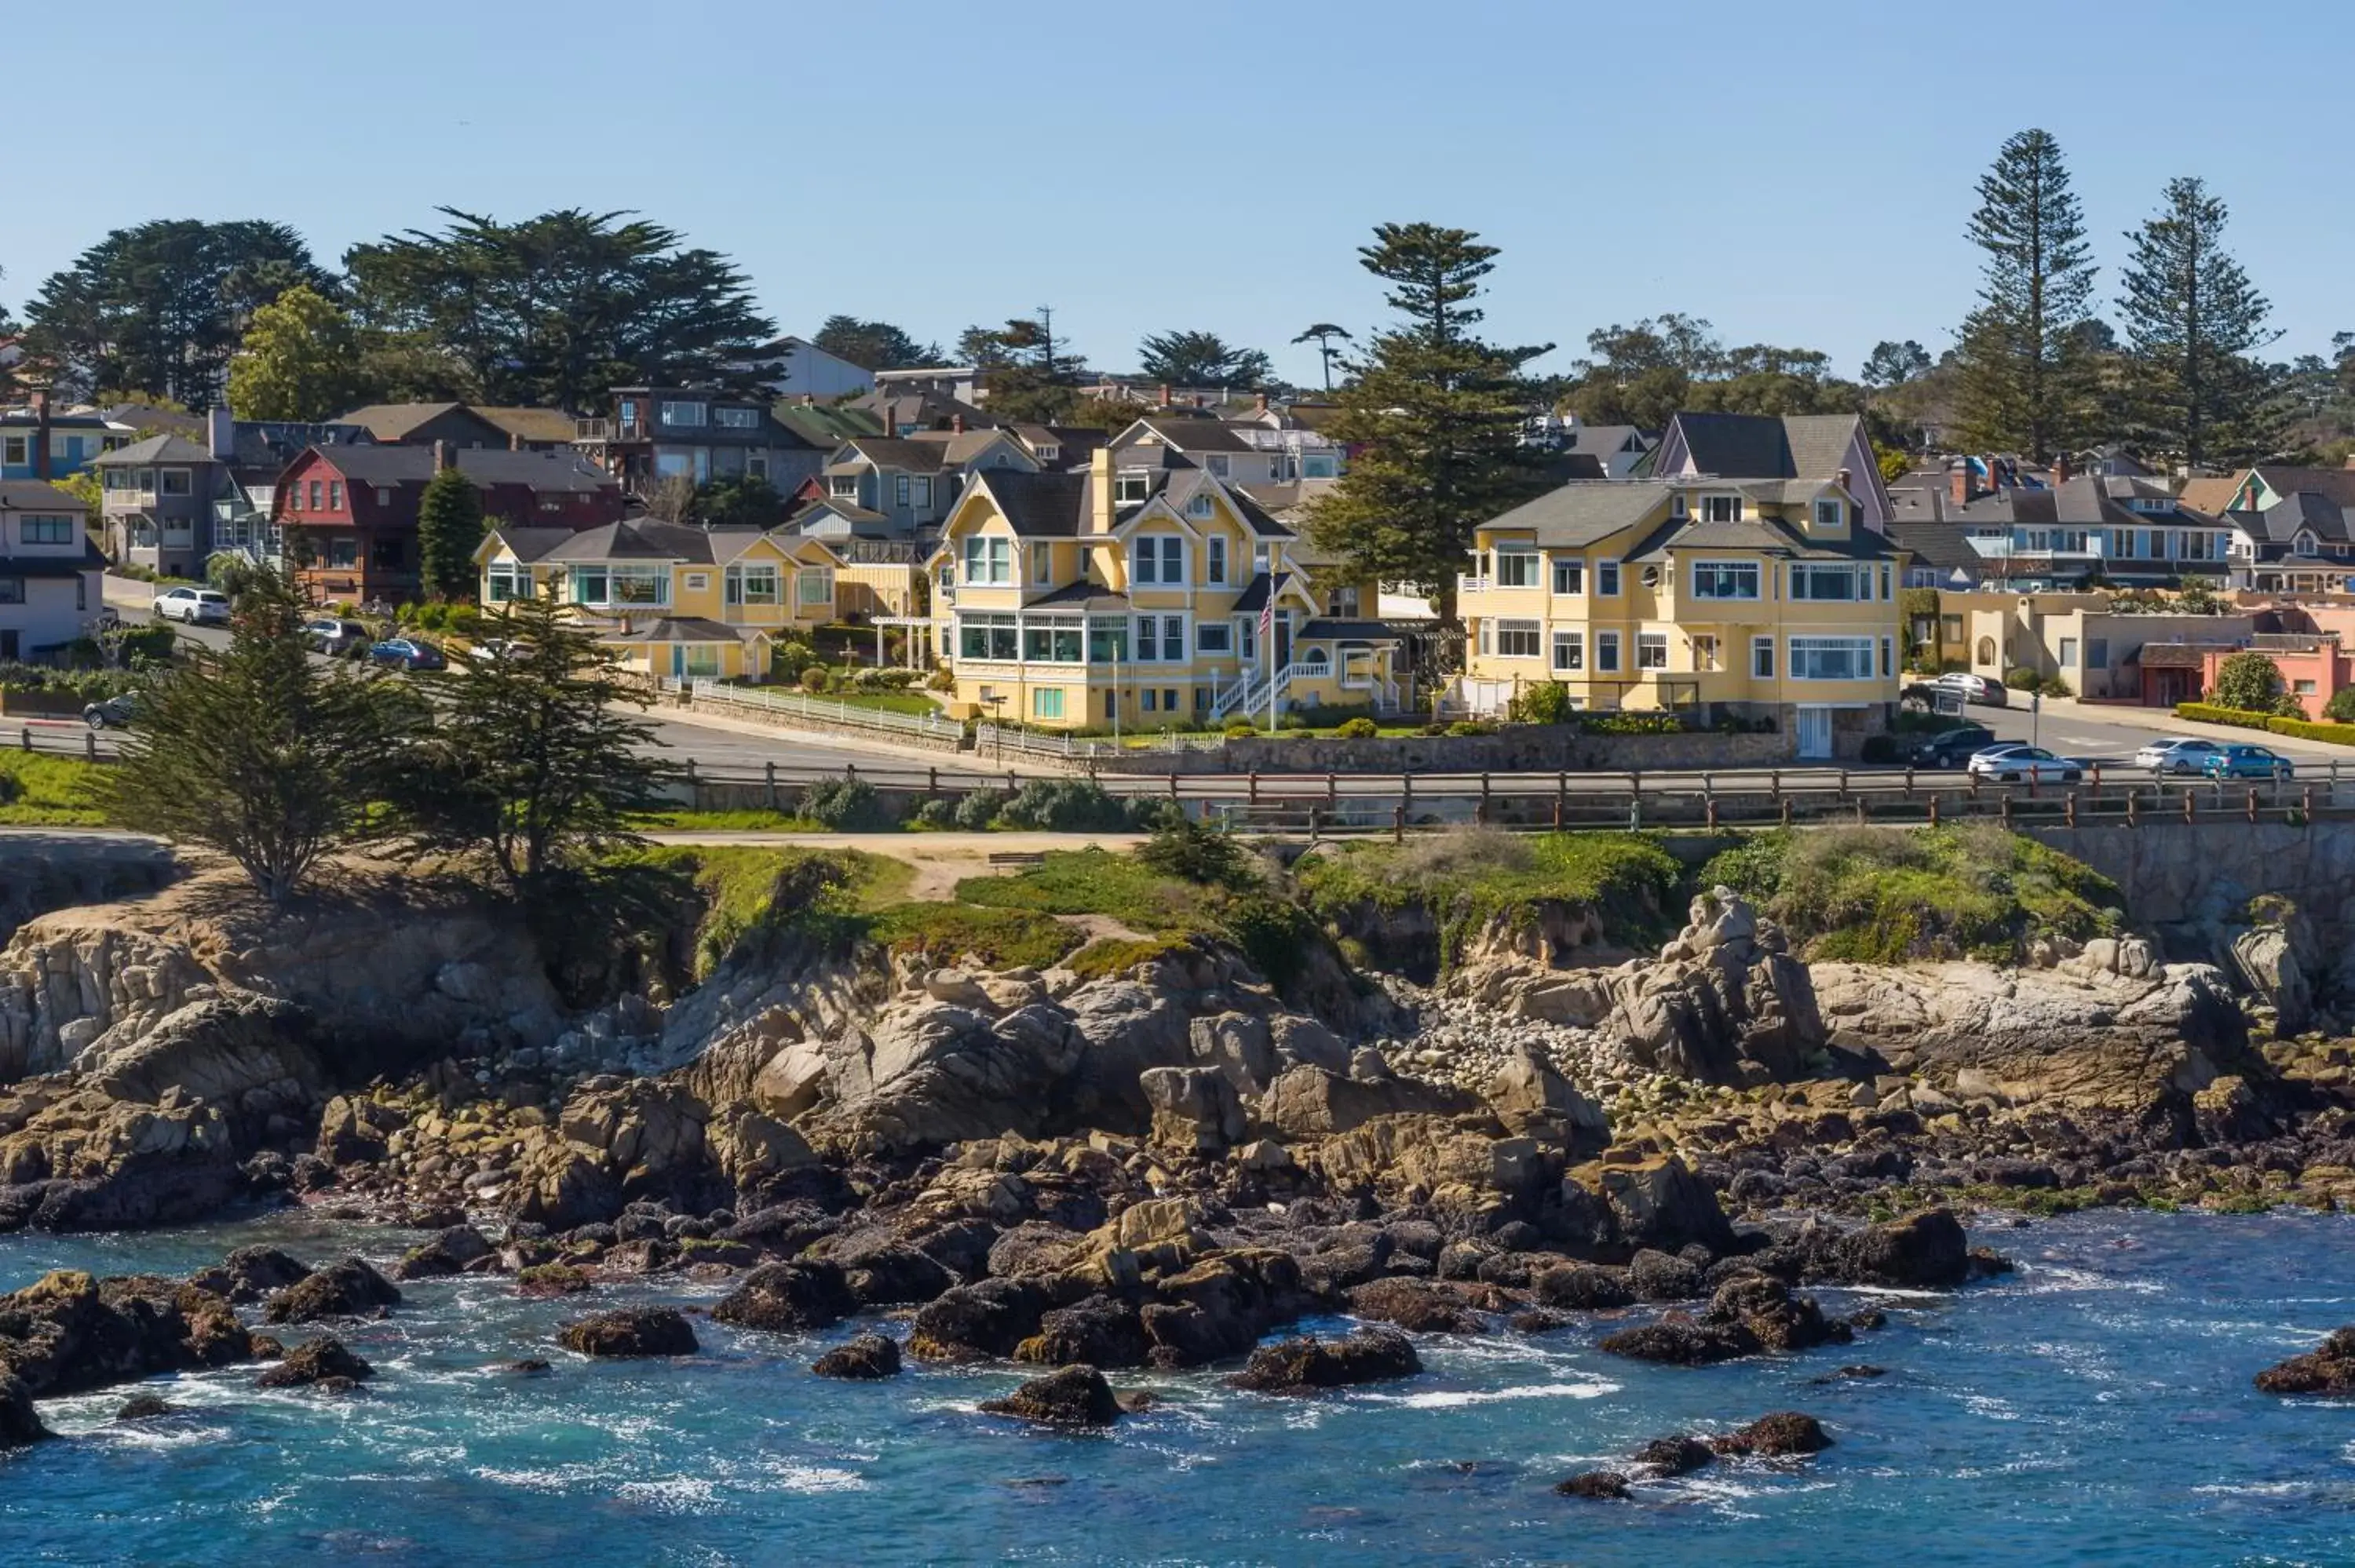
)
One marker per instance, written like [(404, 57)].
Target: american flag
[(1267, 620)]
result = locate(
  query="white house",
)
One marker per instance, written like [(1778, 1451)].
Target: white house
[(49, 570), (791, 366)]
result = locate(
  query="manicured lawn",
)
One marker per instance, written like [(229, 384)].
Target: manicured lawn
[(36, 790), (883, 702), (686, 821), (1097, 882)]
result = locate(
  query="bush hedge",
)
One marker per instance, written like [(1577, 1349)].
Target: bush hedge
[(2242, 718)]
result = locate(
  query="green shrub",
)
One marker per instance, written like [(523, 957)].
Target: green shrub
[(1880, 748), (1463, 727), (2341, 708), (1065, 806), (2273, 724), (138, 646), (846, 806), (1621, 723), (977, 810), (1545, 703), (81, 685), (1240, 729), (2249, 680), (816, 678), (2055, 686), (2022, 678), (1275, 934), (1358, 729), (937, 813), (1183, 847)]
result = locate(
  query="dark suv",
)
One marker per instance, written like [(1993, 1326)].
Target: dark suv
[(1951, 748)]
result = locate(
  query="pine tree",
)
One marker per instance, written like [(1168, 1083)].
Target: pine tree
[(449, 532), (2021, 383), (260, 751), (1434, 417), (2192, 318)]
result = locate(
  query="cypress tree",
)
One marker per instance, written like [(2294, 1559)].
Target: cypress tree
[(449, 532), (2192, 318), (2022, 384)]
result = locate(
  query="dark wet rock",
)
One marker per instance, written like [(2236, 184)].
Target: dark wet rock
[(251, 1273), (67, 1333), (551, 1280), (1658, 1277), (347, 1289), (1098, 1331), (1862, 1369), (530, 1366), (1923, 1250), (2329, 1368), (1868, 1319), (1074, 1396), (1304, 1364), (316, 1361), (1660, 1203), (631, 1331), (1416, 1306), (1538, 1320), (986, 1319), (19, 1425), (1603, 1485), (1582, 1287), (870, 1358), (145, 1407), (1679, 1340), (1784, 1433), (1676, 1455), (447, 1253), (1745, 1316), (879, 1269), (1986, 1263), (1036, 1247), (1223, 1305), (787, 1298)]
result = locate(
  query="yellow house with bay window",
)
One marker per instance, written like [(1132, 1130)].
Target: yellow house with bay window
[(1760, 599), (671, 600), (1142, 593)]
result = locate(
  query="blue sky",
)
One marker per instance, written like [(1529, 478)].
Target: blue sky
[(1797, 173)]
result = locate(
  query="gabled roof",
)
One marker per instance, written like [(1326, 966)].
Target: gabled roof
[(1766, 535), (154, 449), (1079, 596), (686, 628), (826, 424), (25, 494), (1038, 506), (1585, 512), (889, 451), (544, 471)]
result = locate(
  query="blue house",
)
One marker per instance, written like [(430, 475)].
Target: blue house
[(36, 443)]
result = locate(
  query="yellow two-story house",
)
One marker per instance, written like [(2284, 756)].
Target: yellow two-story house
[(1142, 593), (1755, 598), (671, 600)]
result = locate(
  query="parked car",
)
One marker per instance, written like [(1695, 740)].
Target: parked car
[(2247, 762), (1974, 689), (2176, 754), (1952, 747), (113, 713), (2031, 763), (406, 653), (192, 606), (342, 639)]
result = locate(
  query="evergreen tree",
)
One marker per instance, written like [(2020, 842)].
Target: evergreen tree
[(300, 361), (2192, 318), (1202, 359), (535, 768), (874, 345), (449, 532), (1434, 418), (262, 752), (1321, 335), (2022, 386)]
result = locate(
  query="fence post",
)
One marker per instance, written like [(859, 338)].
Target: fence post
[(1860, 811), (768, 772), (1909, 781), (1843, 784), (1484, 791), (1933, 807), (1406, 791), (2252, 802), (2189, 807), (690, 773), (1775, 788), (2069, 809), (932, 779), (1173, 784), (1786, 811), (25, 735), (2133, 813), (1253, 778), (1636, 814), (1709, 803), (2006, 804), (90, 744), (1398, 825), (1011, 787), (1332, 790)]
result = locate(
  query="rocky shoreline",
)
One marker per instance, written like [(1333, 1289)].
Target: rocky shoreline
[(1168, 1167)]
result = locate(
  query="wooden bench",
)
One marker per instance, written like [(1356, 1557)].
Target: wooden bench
[(1018, 857)]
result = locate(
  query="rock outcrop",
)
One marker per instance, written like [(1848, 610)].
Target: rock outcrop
[(1074, 1396), (1725, 1002), (2329, 1368), (631, 1331), (1307, 1364), (69, 1333)]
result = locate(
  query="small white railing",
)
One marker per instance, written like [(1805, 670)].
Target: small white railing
[(788, 706)]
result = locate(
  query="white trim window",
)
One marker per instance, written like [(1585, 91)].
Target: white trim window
[(620, 587), (737, 418), (1169, 648), (814, 586), (752, 583), (842, 486), (923, 487), (1516, 568), (1516, 640), (1215, 554), (1606, 580), (1197, 505), (1725, 579), (49, 530), (1054, 640), (1721, 509), (506, 582), (1831, 657), (680, 415), (1651, 650), (1813, 580), (1569, 575), (1214, 637), (1158, 560), (1607, 652), (1132, 487), (996, 638), (988, 560), (1762, 658), (1830, 516), (1568, 653), (1042, 564), (1047, 702)]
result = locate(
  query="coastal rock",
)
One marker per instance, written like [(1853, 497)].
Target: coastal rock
[(1098, 1331), (1074, 1396), (788, 1297), (447, 1253), (1786, 1434), (631, 1331), (1923, 1250), (251, 1273), (1658, 1202), (1746, 1317), (870, 1358), (1222, 1305), (1314, 1102), (146, 1407), (1195, 1110), (986, 1319), (1582, 1286), (1719, 1006), (1606, 1485), (316, 1361), (67, 1333), (1678, 1455), (1533, 1100), (350, 1288), (1416, 1306), (20, 1425), (1307, 1364), (1433, 1160), (2329, 1368)]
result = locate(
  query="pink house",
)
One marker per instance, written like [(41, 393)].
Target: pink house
[(2313, 667)]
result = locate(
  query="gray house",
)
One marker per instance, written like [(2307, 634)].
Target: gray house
[(157, 499)]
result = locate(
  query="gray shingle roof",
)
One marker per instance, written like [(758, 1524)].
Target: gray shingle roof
[(1196, 434), (551, 472), (1585, 512), (1763, 534), (25, 494), (153, 449), (1039, 505)]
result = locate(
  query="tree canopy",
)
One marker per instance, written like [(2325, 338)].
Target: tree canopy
[(554, 310), (449, 532), (2023, 383), (162, 305), (1644, 374), (874, 345), (2194, 322), (300, 361), (1323, 334), (1203, 359)]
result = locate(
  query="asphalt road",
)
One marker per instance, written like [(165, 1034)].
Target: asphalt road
[(2073, 730)]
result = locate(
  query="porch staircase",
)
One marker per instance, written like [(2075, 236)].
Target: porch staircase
[(1252, 695)]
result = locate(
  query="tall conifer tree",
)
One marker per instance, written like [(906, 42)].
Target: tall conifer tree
[(2022, 384), (2194, 320)]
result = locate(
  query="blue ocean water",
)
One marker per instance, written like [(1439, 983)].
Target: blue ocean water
[(2094, 1408)]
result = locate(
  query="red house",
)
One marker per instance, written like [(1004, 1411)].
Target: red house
[(355, 508)]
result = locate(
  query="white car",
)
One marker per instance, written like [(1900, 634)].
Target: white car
[(2176, 754), (2031, 764), (192, 606)]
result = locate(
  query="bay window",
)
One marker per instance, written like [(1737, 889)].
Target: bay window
[(989, 636), (507, 581), (1831, 657), (749, 585), (1725, 579)]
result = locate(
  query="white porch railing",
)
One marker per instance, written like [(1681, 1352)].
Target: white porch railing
[(787, 706)]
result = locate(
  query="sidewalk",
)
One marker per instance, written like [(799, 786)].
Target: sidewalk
[(2162, 721), (836, 740)]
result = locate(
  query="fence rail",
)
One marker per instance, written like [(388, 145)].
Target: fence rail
[(766, 704)]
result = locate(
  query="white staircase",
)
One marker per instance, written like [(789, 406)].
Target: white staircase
[(1253, 694)]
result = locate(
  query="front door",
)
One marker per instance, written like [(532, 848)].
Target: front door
[(1283, 638), (1815, 735)]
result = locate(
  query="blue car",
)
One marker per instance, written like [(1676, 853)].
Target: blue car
[(2246, 762), (406, 653)]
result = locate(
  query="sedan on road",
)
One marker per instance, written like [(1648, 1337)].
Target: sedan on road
[(1974, 689), (2247, 762), (2031, 763), (342, 639), (114, 713), (406, 653), (2176, 754), (192, 606)]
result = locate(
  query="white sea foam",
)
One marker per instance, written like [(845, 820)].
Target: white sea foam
[(1451, 1399)]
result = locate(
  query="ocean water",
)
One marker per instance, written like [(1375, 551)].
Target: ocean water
[(2094, 1408)]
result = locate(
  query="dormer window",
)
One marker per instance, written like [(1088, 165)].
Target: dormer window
[(2306, 545), (843, 486), (1827, 516), (1049, 451), (1677, 507), (1197, 507), (1721, 509), (1132, 487)]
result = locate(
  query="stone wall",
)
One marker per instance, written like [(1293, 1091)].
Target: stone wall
[(2203, 874), (1519, 749)]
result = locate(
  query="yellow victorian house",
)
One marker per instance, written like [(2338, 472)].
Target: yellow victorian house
[(1756, 598), (1141, 593), (670, 600)]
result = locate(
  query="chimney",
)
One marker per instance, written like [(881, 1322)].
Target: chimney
[(442, 458), (1847, 478), (220, 435), (39, 399), (1959, 477), (2059, 469), (1165, 395), (1100, 475), (515, 440), (957, 424), (809, 399), (1260, 403)]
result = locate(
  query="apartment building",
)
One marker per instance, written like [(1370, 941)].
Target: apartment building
[(659, 434), (1762, 599), (1143, 596)]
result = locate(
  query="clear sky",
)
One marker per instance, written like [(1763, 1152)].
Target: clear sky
[(1798, 173)]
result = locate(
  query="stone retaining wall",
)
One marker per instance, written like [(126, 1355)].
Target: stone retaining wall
[(1523, 748)]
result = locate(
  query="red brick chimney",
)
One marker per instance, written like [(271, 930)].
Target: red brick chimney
[(2060, 468), (1847, 478), (957, 424), (1166, 399), (1260, 403), (1959, 475)]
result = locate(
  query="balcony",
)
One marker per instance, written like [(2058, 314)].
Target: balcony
[(609, 430)]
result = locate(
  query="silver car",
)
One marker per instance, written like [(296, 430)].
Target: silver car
[(2176, 754), (192, 606), (2025, 764)]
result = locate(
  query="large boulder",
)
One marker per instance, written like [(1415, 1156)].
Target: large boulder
[(1316, 1102), (1658, 1202), (1923, 1250), (1195, 1110), (20, 1425), (1098, 1331), (1723, 1004), (251, 1273), (67, 1333), (870, 1358), (1075, 1396), (319, 1361), (631, 1331), (1307, 1364), (1534, 1100), (787, 1298), (1433, 1159), (1786, 1433), (350, 1288), (2329, 1368)]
